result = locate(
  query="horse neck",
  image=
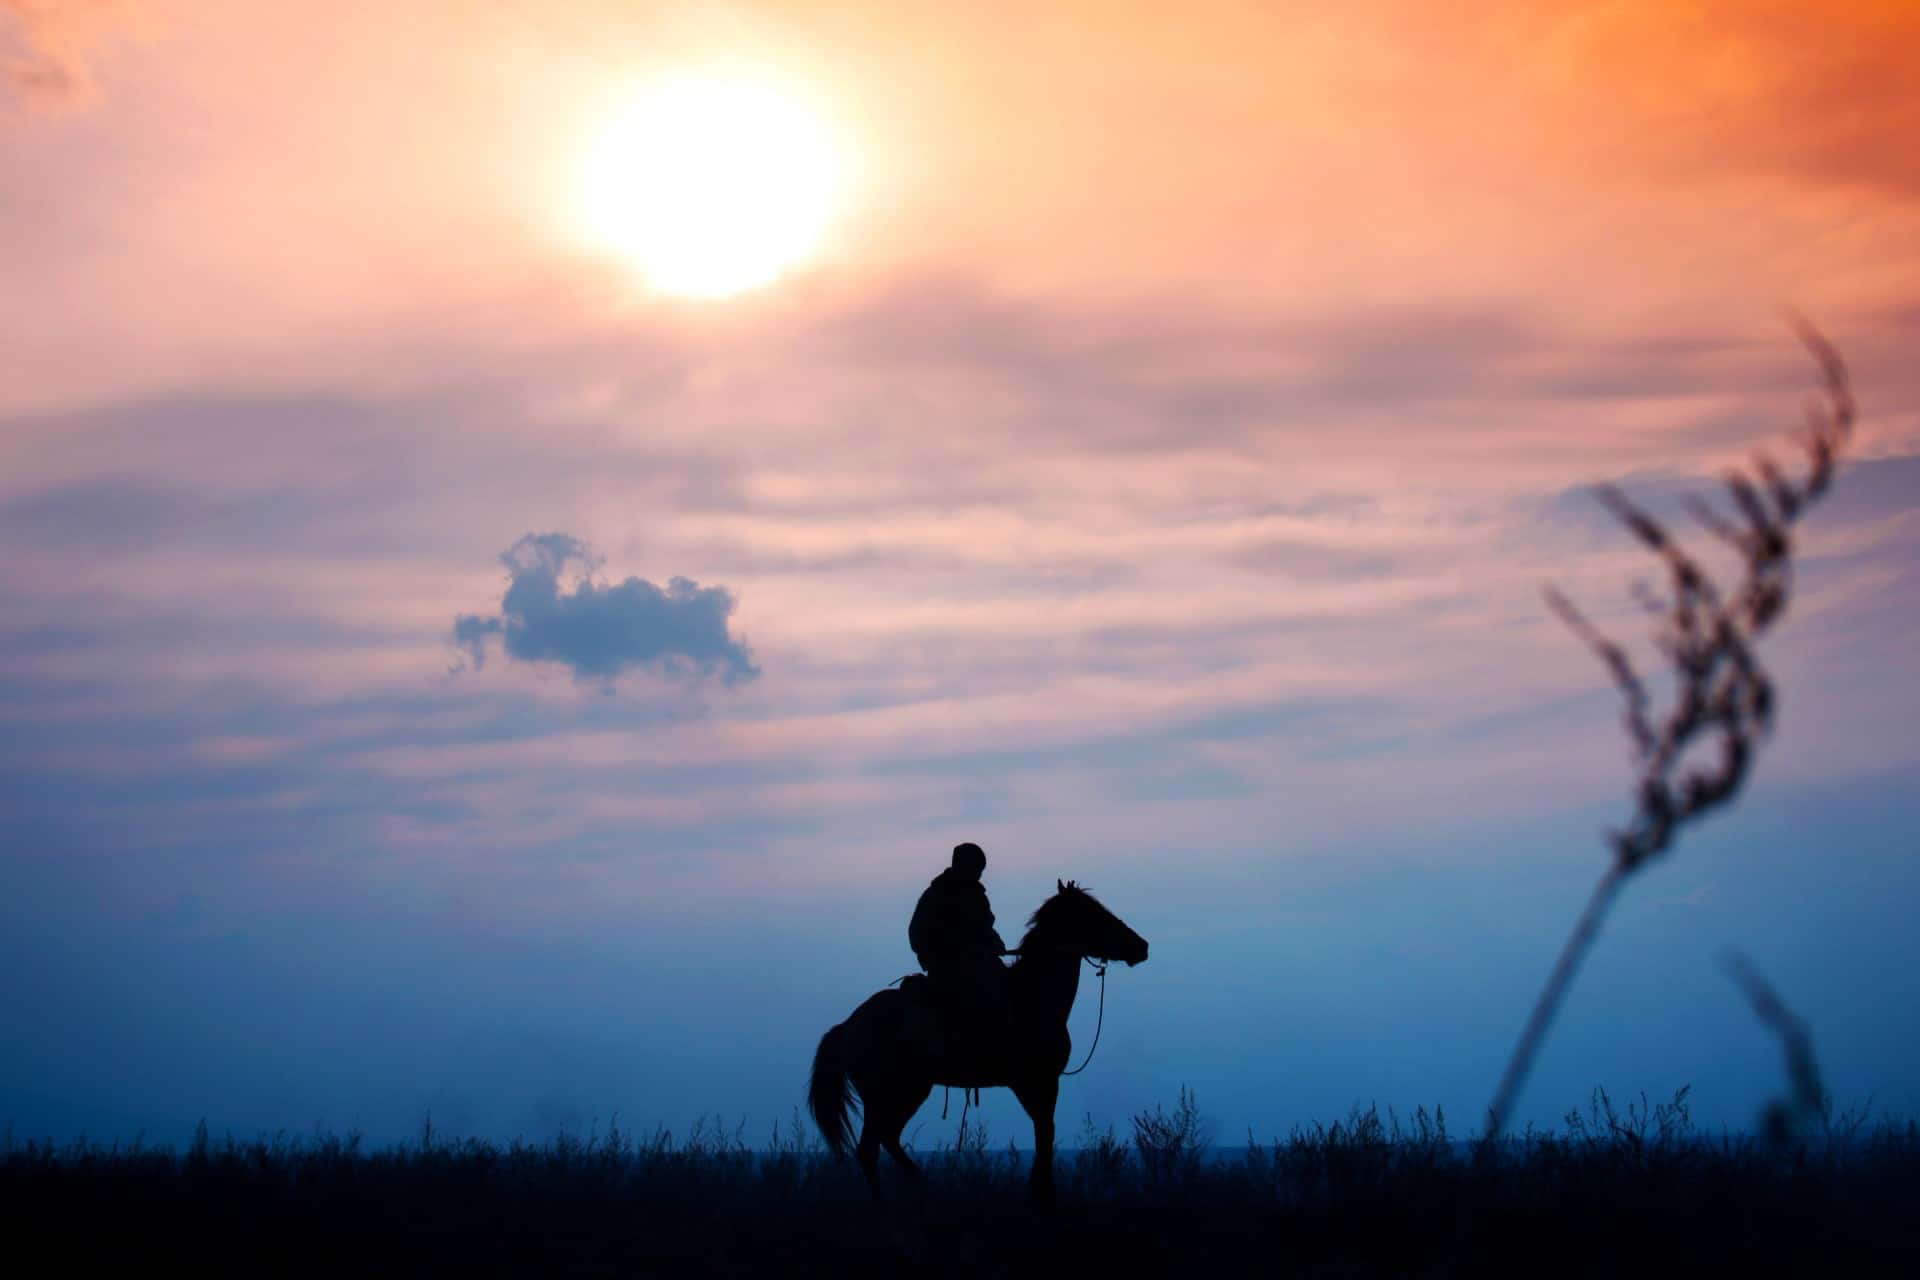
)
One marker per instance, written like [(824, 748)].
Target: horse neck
[(1050, 976)]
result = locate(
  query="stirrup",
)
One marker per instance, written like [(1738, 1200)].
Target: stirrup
[(946, 1096)]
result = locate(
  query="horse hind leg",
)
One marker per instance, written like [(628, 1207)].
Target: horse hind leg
[(895, 1121), (867, 1151)]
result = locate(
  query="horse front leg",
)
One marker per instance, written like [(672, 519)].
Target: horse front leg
[(1038, 1095)]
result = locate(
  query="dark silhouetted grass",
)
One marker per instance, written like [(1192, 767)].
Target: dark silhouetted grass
[(1635, 1186)]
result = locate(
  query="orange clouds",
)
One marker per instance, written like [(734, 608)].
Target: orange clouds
[(1801, 93), (356, 185), (45, 45), (1172, 376)]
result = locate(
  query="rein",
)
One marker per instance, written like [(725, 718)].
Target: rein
[(1100, 1019), (1099, 967), (1099, 1024)]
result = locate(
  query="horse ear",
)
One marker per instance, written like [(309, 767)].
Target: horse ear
[(1060, 885)]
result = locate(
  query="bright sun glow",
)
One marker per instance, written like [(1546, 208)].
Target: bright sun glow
[(711, 183)]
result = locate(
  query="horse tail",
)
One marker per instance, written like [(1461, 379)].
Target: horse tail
[(829, 1092)]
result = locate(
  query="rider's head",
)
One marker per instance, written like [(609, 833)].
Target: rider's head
[(970, 858)]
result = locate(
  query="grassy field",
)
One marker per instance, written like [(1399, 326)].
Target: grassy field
[(1615, 1187)]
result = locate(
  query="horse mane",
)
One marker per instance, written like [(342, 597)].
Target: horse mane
[(1048, 911)]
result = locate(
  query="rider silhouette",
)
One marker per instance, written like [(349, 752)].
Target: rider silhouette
[(953, 936)]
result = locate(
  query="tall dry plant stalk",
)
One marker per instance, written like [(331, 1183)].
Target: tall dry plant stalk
[(1722, 697)]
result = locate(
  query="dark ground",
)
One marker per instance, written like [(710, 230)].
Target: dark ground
[(1639, 1193)]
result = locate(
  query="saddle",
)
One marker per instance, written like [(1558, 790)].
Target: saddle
[(958, 1020)]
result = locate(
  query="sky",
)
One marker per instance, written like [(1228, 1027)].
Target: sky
[(442, 674)]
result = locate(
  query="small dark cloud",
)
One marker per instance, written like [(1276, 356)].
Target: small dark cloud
[(43, 45), (599, 631)]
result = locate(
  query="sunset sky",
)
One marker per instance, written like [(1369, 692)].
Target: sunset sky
[(452, 662)]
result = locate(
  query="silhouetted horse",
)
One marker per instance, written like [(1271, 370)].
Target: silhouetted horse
[(892, 1052)]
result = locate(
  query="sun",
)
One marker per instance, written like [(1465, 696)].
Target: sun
[(712, 182)]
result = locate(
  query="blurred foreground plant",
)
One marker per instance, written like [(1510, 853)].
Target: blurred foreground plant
[(1807, 1102), (1722, 697)]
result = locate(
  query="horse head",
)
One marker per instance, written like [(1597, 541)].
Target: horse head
[(1073, 920)]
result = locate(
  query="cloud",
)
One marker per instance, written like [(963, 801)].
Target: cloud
[(600, 631), (44, 46), (1821, 93)]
